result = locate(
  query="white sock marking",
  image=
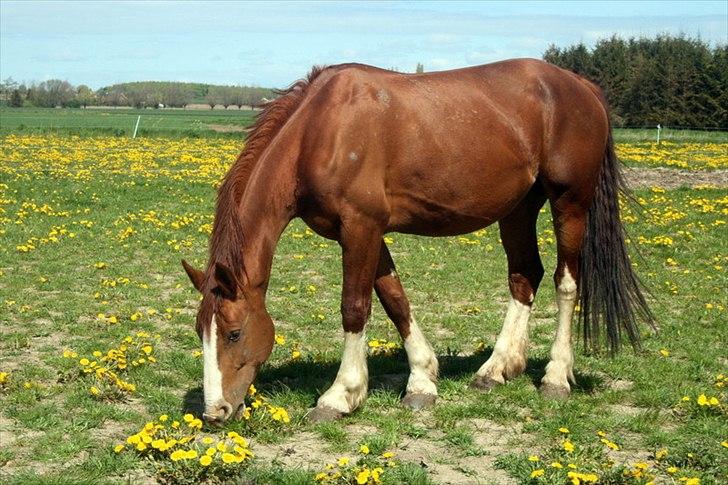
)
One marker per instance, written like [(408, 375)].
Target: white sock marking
[(212, 377), (350, 387), (559, 370), (422, 362), (509, 354)]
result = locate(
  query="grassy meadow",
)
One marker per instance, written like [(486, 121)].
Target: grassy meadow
[(120, 122), (101, 369)]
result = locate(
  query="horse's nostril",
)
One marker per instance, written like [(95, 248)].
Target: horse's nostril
[(218, 414), (226, 410)]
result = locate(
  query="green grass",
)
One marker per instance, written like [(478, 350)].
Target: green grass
[(121, 122), (638, 135), (55, 431), (179, 122)]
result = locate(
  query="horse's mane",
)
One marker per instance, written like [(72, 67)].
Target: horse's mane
[(227, 238)]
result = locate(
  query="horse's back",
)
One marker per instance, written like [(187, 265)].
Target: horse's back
[(444, 152)]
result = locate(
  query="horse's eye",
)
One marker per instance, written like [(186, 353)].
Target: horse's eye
[(234, 336)]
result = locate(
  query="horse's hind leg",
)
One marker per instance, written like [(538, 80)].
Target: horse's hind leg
[(421, 388), (518, 234), (569, 226)]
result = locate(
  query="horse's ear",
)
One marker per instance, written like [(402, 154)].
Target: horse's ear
[(227, 283), (196, 276)]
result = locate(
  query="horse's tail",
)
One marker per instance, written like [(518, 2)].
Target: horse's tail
[(610, 292)]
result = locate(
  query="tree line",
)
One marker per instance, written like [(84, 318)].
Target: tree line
[(669, 80), (57, 92)]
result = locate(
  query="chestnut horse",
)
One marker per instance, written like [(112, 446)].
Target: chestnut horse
[(357, 152)]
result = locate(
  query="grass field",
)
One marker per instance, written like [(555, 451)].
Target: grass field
[(93, 230), (186, 123), (120, 122)]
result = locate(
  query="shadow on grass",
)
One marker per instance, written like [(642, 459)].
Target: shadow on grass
[(386, 372)]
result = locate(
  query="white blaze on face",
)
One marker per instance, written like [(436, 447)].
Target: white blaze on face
[(212, 377)]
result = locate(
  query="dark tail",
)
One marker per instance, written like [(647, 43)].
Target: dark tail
[(610, 293)]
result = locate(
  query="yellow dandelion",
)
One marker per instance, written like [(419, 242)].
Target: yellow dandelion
[(205, 460), (228, 458), (364, 449), (177, 455), (363, 476), (537, 473)]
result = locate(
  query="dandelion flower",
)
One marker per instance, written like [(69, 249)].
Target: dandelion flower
[(205, 460), (537, 473), (364, 449), (228, 458), (363, 476)]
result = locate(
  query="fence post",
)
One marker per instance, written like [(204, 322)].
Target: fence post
[(140, 117), (658, 133)]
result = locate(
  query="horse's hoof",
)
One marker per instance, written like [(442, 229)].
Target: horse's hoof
[(417, 401), (553, 391), (484, 383), (324, 414)]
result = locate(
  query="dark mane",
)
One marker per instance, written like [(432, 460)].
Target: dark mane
[(227, 237)]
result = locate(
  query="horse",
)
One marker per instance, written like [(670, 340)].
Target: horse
[(357, 152)]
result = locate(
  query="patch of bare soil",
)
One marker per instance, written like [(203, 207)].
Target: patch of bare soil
[(443, 462), (621, 385), (228, 128), (670, 178)]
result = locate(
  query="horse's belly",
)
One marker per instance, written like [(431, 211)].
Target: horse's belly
[(427, 216)]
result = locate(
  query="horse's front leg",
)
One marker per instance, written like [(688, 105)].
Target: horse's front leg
[(360, 241), (422, 382)]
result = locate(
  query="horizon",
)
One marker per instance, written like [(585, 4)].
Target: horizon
[(273, 44)]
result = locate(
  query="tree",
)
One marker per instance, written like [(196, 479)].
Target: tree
[(420, 68), (84, 95), (16, 99), (674, 81)]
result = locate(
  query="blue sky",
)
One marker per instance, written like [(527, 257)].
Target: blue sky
[(272, 44)]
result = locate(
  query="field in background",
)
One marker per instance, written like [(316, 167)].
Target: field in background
[(120, 122), (93, 229), (180, 122)]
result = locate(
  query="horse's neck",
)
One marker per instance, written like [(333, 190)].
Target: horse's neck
[(266, 208)]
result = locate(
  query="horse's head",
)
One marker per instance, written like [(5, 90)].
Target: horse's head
[(237, 337)]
